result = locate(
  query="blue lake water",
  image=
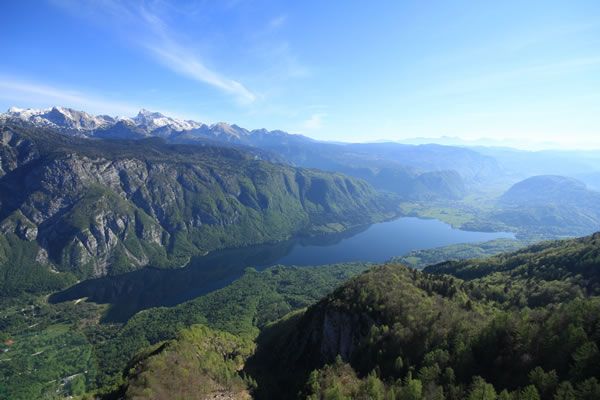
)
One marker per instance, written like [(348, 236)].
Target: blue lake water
[(382, 241), (152, 287)]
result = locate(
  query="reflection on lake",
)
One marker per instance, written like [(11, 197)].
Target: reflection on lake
[(152, 287)]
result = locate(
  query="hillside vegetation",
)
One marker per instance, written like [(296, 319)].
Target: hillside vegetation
[(550, 204), (420, 259), (98, 356), (521, 325), (80, 208), (201, 363), (517, 326)]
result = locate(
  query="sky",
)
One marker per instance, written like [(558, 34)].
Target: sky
[(523, 73)]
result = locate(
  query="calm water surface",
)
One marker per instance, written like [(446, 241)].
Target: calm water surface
[(152, 287)]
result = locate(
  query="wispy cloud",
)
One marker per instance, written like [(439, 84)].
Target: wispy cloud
[(269, 48), (314, 122), (519, 75), (41, 95), (179, 60), (277, 22), (138, 23)]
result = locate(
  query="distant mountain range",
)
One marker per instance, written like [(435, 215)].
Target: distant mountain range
[(415, 172), (550, 203), (145, 124), (478, 142)]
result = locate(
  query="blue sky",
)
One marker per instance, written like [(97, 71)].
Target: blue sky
[(523, 72)]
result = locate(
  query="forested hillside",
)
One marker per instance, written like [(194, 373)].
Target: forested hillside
[(550, 204), (520, 326), (420, 259), (97, 356), (79, 208), (422, 172)]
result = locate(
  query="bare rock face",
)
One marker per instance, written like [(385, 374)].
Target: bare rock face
[(27, 232), (15, 151), (327, 331), (42, 256), (337, 335), (228, 395), (20, 225)]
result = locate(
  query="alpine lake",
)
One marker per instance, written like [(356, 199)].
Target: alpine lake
[(154, 287)]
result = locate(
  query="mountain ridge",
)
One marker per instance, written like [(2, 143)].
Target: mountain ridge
[(98, 207), (145, 124), (376, 163)]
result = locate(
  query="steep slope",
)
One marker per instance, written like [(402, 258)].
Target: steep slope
[(68, 120), (552, 204), (370, 322), (145, 124), (472, 166), (518, 326), (201, 364), (522, 326), (75, 341), (97, 207), (386, 171)]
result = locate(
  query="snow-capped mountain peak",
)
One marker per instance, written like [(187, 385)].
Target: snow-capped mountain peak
[(68, 119), (146, 115), (59, 117), (224, 129), (155, 120), (143, 125)]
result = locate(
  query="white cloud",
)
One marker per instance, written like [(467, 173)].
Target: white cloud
[(314, 122), (522, 75), (146, 29), (277, 22), (176, 59)]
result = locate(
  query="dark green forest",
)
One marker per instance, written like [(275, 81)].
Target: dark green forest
[(518, 326), (521, 325)]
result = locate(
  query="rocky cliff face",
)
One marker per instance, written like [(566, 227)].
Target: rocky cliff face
[(96, 207), (367, 322)]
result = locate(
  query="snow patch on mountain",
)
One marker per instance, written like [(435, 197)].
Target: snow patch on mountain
[(143, 125), (155, 120), (59, 117)]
